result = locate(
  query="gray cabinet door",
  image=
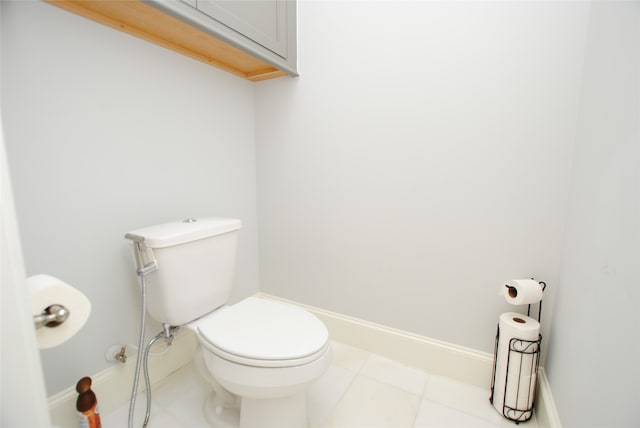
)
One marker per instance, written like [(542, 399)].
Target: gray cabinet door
[(265, 29), (263, 21)]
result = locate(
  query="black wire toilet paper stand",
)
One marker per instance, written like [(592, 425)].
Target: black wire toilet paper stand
[(520, 350)]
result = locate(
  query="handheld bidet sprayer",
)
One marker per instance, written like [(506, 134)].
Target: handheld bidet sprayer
[(145, 262)]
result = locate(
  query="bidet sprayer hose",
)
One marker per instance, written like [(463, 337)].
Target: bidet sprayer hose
[(136, 377)]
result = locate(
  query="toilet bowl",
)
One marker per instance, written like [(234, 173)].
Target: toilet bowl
[(260, 355), (266, 353)]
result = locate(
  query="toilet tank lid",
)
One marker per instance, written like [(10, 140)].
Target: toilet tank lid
[(179, 232)]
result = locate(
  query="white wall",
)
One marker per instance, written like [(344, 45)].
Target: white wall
[(423, 157), (593, 354), (106, 133)]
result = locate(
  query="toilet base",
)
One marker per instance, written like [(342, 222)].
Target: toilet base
[(219, 416), (284, 412)]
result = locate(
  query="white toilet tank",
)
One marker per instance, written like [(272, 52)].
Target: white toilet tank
[(196, 265)]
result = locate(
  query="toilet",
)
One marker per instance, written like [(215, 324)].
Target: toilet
[(259, 355)]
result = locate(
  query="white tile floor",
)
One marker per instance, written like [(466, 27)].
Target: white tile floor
[(360, 389)]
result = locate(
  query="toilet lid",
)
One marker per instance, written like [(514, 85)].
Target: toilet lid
[(261, 329)]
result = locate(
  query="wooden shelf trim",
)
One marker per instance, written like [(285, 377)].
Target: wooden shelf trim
[(148, 23)]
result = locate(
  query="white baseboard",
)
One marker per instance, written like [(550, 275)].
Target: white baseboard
[(113, 385), (546, 412), (441, 358)]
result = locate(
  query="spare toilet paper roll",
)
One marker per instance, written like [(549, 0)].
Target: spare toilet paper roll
[(47, 290), (522, 291), (515, 376)]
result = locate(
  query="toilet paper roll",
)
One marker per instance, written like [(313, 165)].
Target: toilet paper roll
[(515, 375), (47, 290), (522, 291)]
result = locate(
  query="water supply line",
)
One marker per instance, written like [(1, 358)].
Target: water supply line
[(167, 335)]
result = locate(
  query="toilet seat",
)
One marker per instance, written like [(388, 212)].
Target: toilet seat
[(263, 333)]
